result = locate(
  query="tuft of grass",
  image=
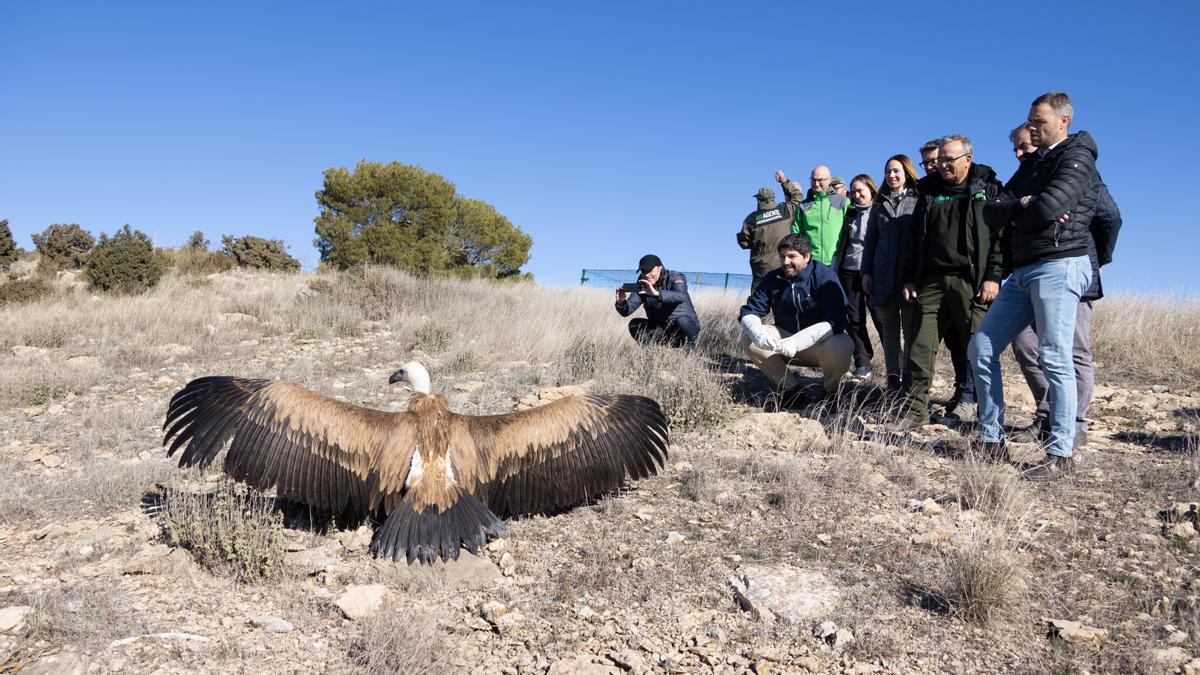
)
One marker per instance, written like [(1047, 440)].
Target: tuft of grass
[(992, 489), (87, 616), (232, 530), (979, 580), (397, 640)]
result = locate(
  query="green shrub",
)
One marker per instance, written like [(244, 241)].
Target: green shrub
[(8, 247), (124, 263), (196, 257), (20, 291), (63, 246), (232, 530), (259, 253)]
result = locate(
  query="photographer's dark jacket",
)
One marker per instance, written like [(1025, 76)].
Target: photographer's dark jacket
[(815, 295), (672, 305), (980, 248), (1063, 180)]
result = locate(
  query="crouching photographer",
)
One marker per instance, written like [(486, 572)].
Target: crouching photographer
[(670, 317)]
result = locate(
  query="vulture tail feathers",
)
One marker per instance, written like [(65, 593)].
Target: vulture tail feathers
[(432, 534)]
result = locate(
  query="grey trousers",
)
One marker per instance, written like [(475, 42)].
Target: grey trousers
[(1025, 350)]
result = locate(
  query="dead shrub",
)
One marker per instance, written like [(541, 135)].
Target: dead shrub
[(979, 580), (86, 616), (233, 530), (399, 640)]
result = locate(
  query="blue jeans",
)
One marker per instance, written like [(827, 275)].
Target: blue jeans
[(1046, 292)]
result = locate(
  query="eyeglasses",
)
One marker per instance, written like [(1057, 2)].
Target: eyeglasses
[(819, 180), (930, 162), (950, 160)]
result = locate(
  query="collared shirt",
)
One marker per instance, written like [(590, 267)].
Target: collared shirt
[(1042, 152)]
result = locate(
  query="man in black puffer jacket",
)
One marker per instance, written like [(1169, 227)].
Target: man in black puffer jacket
[(1044, 215), (1104, 228)]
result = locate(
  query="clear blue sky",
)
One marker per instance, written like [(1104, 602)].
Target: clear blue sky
[(605, 131)]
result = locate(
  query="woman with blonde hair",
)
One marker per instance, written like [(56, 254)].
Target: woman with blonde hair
[(883, 256), (847, 263)]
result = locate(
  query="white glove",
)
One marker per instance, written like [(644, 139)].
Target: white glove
[(752, 326), (791, 346)]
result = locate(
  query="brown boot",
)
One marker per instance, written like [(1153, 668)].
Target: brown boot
[(1054, 467), (993, 452)]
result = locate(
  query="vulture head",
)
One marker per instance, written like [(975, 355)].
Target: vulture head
[(414, 375), (435, 481)]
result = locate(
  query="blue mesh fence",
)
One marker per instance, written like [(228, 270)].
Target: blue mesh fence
[(696, 280)]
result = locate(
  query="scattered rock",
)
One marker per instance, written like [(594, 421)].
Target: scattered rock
[(1182, 530), (1159, 389), (311, 561), (1171, 657), (674, 538), (832, 635), (583, 664), (1076, 633), (272, 624), (30, 353), (783, 592), (361, 602), (784, 430), (63, 663), (1191, 667), (12, 618), (84, 362), (236, 318)]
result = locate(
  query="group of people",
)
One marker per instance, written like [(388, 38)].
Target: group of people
[(955, 256)]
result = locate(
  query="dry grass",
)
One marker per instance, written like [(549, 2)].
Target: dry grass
[(398, 639), (982, 579), (85, 616), (1165, 330)]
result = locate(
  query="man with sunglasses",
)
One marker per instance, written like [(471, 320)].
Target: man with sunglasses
[(1046, 213), (955, 265)]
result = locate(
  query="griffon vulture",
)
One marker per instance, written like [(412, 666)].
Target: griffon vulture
[(436, 479)]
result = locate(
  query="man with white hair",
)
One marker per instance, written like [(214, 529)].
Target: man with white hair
[(820, 217), (1045, 210), (954, 268)]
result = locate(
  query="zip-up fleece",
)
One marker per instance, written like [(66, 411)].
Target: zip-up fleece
[(820, 219), (815, 295), (983, 243)]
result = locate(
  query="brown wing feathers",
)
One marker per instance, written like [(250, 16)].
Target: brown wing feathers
[(566, 452), (351, 460), (311, 449)]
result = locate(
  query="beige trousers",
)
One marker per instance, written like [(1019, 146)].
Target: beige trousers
[(832, 355)]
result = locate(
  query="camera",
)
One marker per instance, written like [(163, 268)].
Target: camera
[(630, 288)]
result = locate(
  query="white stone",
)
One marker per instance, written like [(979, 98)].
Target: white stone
[(783, 592), (13, 617), (361, 602)]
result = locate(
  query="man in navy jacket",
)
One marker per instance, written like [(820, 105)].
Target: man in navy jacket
[(670, 317), (809, 307)]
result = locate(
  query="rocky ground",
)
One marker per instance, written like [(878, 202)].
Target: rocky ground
[(795, 541)]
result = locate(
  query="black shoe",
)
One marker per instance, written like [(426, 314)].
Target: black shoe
[(993, 452), (1052, 468), (863, 372), (1037, 432)]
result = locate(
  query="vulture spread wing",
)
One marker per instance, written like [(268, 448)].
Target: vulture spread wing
[(312, 449), (562, 453)]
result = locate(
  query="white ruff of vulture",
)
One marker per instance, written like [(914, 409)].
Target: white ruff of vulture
[(437, 480)]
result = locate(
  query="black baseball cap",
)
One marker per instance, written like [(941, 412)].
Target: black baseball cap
[(648, 262)]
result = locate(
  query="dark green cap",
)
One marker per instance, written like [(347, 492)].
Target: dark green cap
[(765, 195)]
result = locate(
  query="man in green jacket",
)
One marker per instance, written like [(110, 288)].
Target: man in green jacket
[(820, 216)]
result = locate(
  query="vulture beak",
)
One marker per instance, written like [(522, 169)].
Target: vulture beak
[(397, 376)]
